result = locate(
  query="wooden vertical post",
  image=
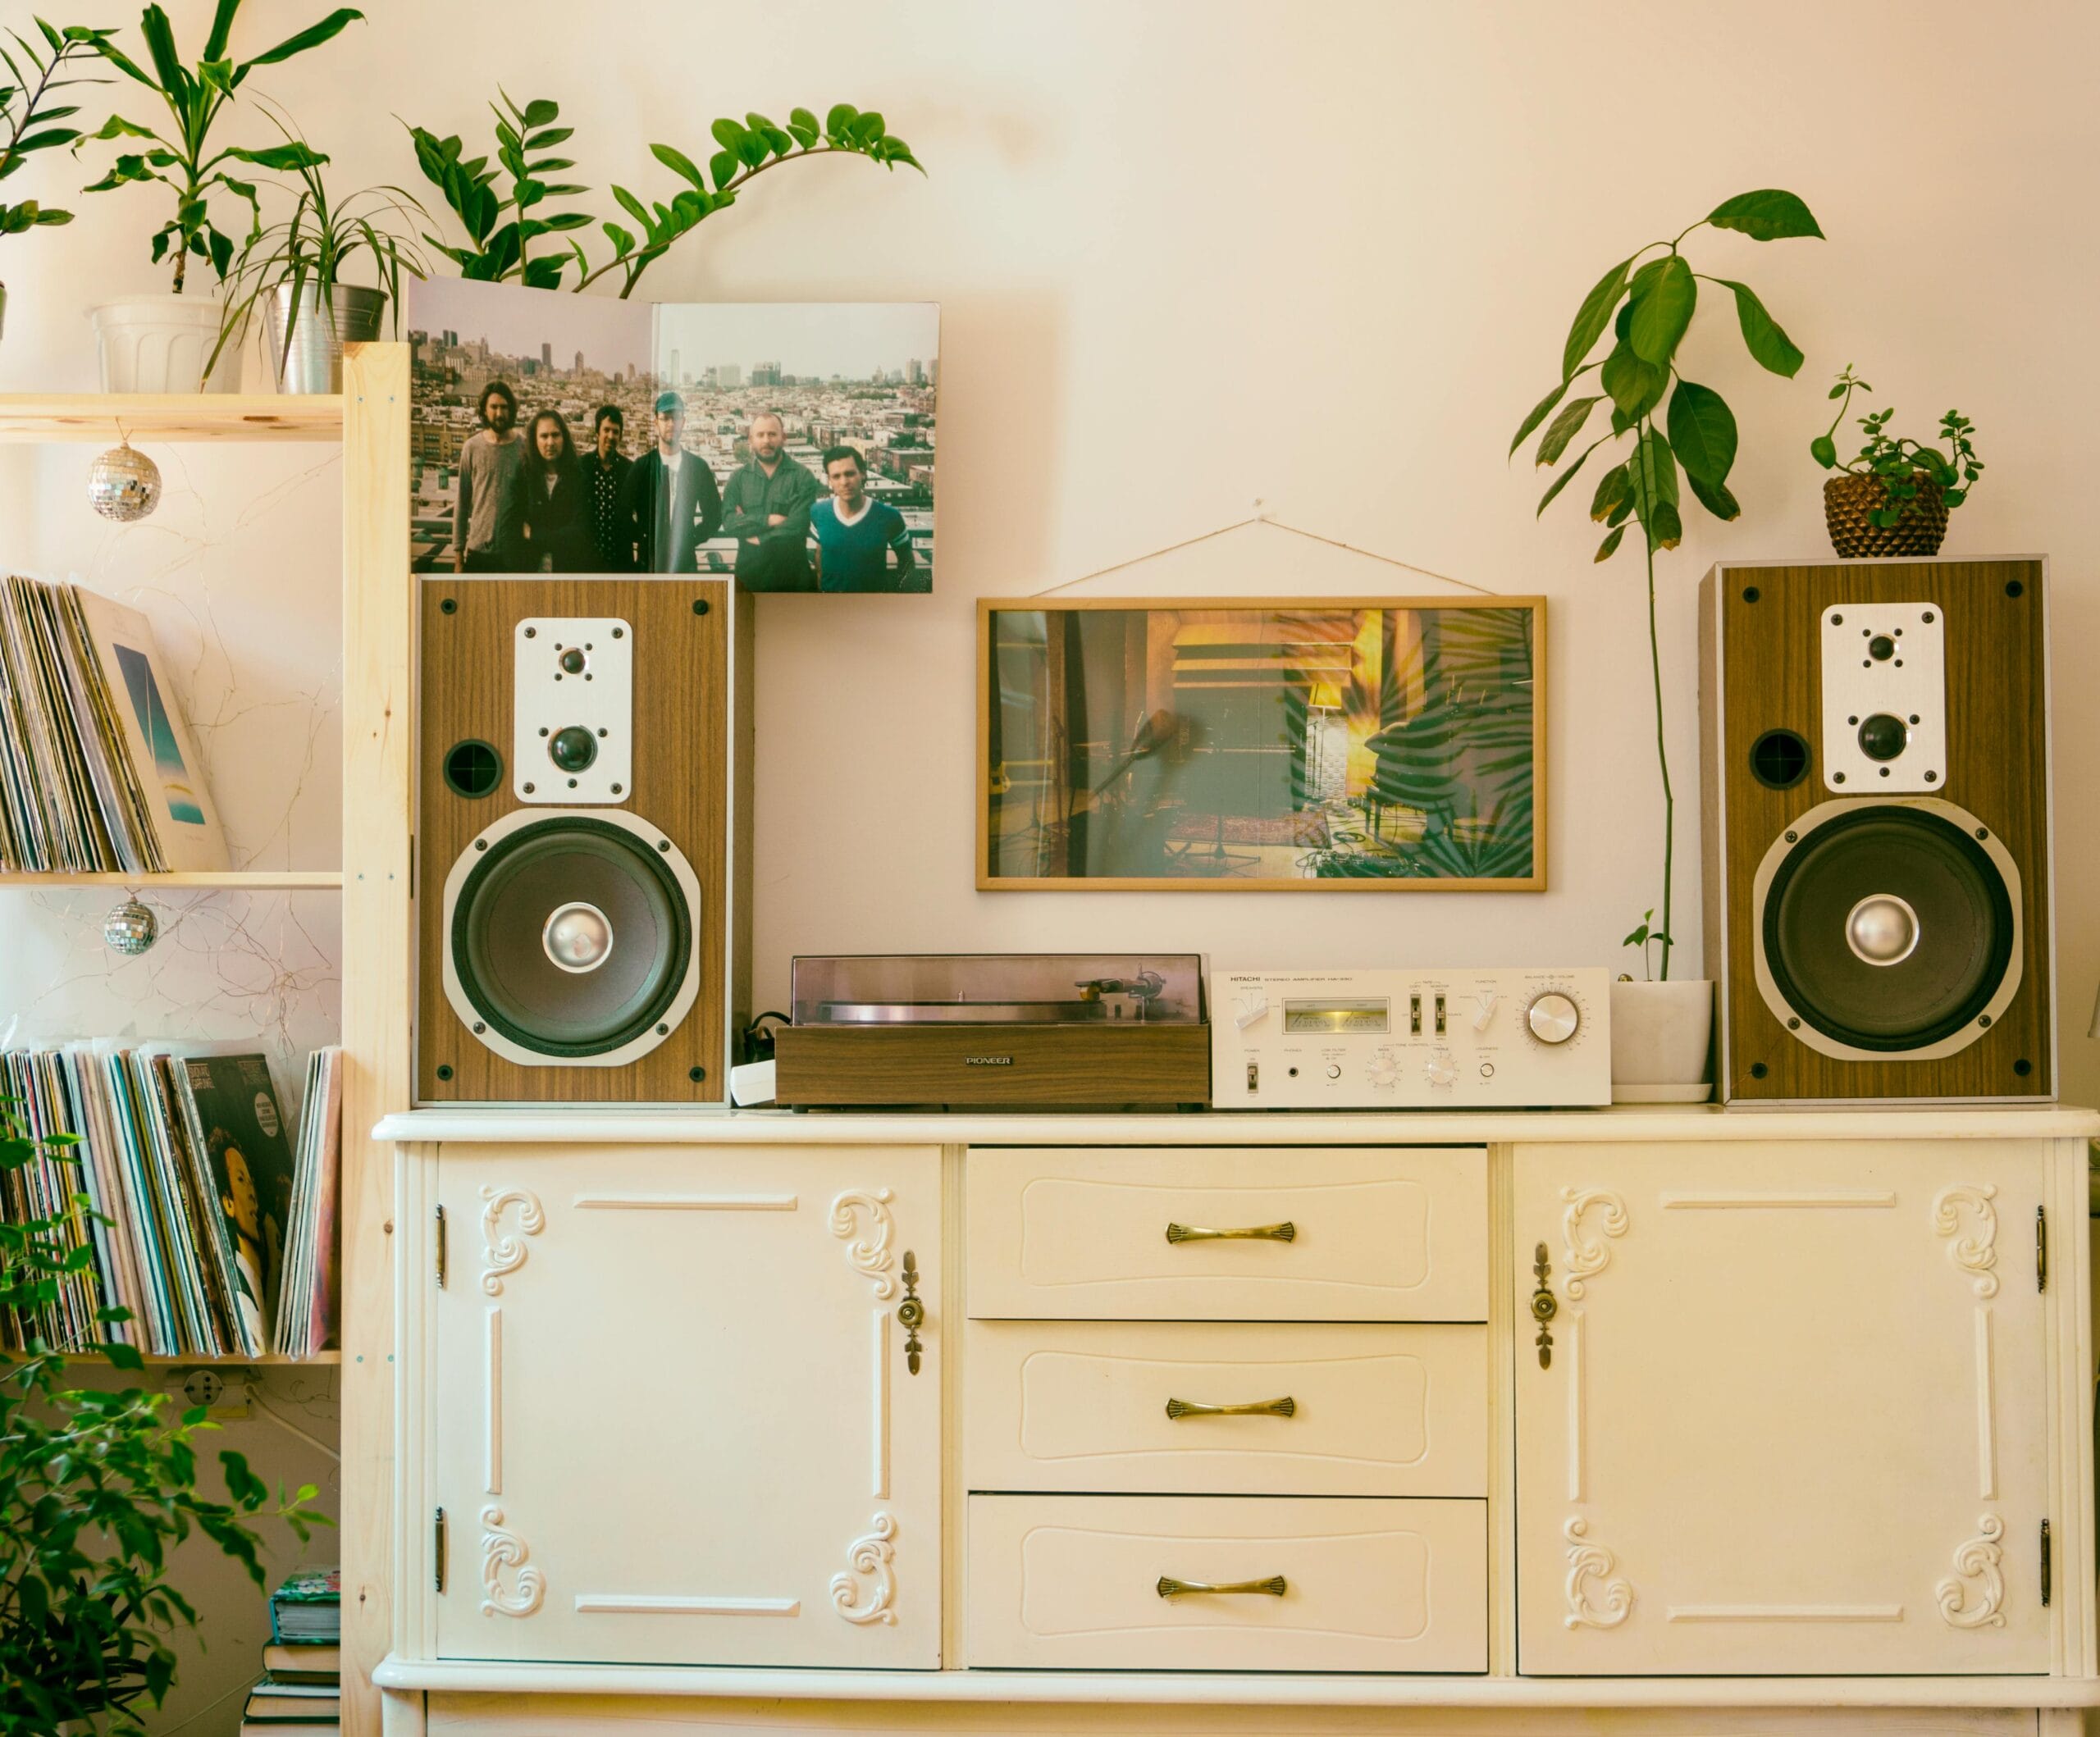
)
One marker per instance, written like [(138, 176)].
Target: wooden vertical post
[(378, 975)]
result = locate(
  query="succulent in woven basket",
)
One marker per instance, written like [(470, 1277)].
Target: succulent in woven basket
[(1893, 500)]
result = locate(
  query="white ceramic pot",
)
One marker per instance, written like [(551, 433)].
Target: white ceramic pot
[(1660, 1037), (161, 343)]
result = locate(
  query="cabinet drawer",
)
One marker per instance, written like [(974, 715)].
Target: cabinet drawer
[(1344, 1234), (1352, 1411), (1074, 1582)]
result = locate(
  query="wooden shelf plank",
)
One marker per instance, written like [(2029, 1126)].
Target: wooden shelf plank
[(242, 880), (164, 416), (319, 1359)]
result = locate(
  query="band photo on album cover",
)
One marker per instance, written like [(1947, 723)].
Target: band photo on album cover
[(788, 443)]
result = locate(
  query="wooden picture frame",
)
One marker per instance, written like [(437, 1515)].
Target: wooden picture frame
[(1397, 722)]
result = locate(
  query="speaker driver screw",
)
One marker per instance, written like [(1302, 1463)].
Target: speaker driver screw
[(663, 1031), (479, 1028), (1793, 838)]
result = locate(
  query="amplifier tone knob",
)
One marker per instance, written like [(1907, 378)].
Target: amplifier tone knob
[(1441, 1069), (1554, 1018)]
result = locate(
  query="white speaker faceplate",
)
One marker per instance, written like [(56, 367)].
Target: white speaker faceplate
[(573, 674), (1884, 682)]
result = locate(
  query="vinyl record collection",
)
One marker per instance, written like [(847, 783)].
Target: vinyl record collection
[(204, 1217), (98, 772)]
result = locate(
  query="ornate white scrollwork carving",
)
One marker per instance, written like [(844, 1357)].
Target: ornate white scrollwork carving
[(1589, 1255), (870, 1556), (1588, 1562), (500, 1550), (1978, 1559), (502, 1252), (1976, 1253), (869, 1254)]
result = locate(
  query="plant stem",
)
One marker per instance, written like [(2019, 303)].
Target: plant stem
[(1662, 753)]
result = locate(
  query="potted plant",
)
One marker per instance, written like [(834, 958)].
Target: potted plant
[(96, 1488), (294, 272), (28, 113), (1647, 304), (161, 343), (1893, 500), (503, 223)]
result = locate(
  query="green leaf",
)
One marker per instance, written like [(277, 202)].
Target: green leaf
[(1609, 547), (838, 117), (1769, 346), (1662, 309), (123, 1356), (1612, 487), (541, 111), (1564, 428), (1768, 215), (1591, 318), (553, 135), (1635, 386), (1702, 430), (1824, 450), (1538, 415), (623, 241), (1665, 529), (314, 35), (726, 134), (1652, 470), (1716, 500), (725, 166), (1565, 478), (222, 16), (679, 163), (160, 44)]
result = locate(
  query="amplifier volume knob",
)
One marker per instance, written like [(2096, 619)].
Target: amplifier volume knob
[(1554, 1018)]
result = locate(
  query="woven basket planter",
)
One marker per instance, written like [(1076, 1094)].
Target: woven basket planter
[(1847, 501)]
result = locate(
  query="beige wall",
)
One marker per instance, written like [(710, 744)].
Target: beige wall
[(1192, 256)]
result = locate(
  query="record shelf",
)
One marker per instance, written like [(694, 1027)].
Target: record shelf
[(370, 418), (191, 880)]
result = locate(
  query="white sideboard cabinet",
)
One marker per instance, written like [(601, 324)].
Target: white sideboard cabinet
[(668, 1409), (1707, 1422)]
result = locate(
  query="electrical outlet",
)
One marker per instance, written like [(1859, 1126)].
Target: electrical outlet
[(208, 1388)]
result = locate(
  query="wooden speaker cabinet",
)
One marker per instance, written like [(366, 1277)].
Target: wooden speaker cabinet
[(1875, 748), (581, 853)]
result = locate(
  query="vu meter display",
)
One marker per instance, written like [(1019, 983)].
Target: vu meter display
[(1360, 1015)]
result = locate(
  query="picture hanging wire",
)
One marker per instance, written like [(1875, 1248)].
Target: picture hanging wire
[(1270, 520)]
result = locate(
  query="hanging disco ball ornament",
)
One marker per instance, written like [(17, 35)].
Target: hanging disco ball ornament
[(131, 928), (123, 484)]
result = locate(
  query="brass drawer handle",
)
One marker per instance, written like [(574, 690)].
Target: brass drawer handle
[(1274, 1586), (1285, 1406), (1285, 1232)]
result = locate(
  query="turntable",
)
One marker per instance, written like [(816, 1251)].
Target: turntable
[(1046, 1030)]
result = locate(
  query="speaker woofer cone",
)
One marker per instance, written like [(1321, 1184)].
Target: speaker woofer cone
[(571, 937), (1887, 929)]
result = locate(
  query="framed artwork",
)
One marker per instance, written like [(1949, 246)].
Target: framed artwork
[(1394, 743)]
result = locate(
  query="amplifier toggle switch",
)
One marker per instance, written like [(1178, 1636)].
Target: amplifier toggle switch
[(1487, 1003)]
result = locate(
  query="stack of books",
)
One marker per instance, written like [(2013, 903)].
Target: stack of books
[(302, 1681), (98, 773), (196, 1221)]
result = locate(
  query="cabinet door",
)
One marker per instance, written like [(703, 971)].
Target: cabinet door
[(676, 1418), (1793, 1416)]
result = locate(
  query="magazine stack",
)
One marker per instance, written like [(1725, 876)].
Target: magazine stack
[(194, 1219), (303, 1665), (98, 772)]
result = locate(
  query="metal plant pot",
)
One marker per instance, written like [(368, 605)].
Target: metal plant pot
[(311, 358)]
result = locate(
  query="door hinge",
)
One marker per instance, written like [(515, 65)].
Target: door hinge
[(2047, 1576), (2041, 1248), (437, 1551), (440, 1248)]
